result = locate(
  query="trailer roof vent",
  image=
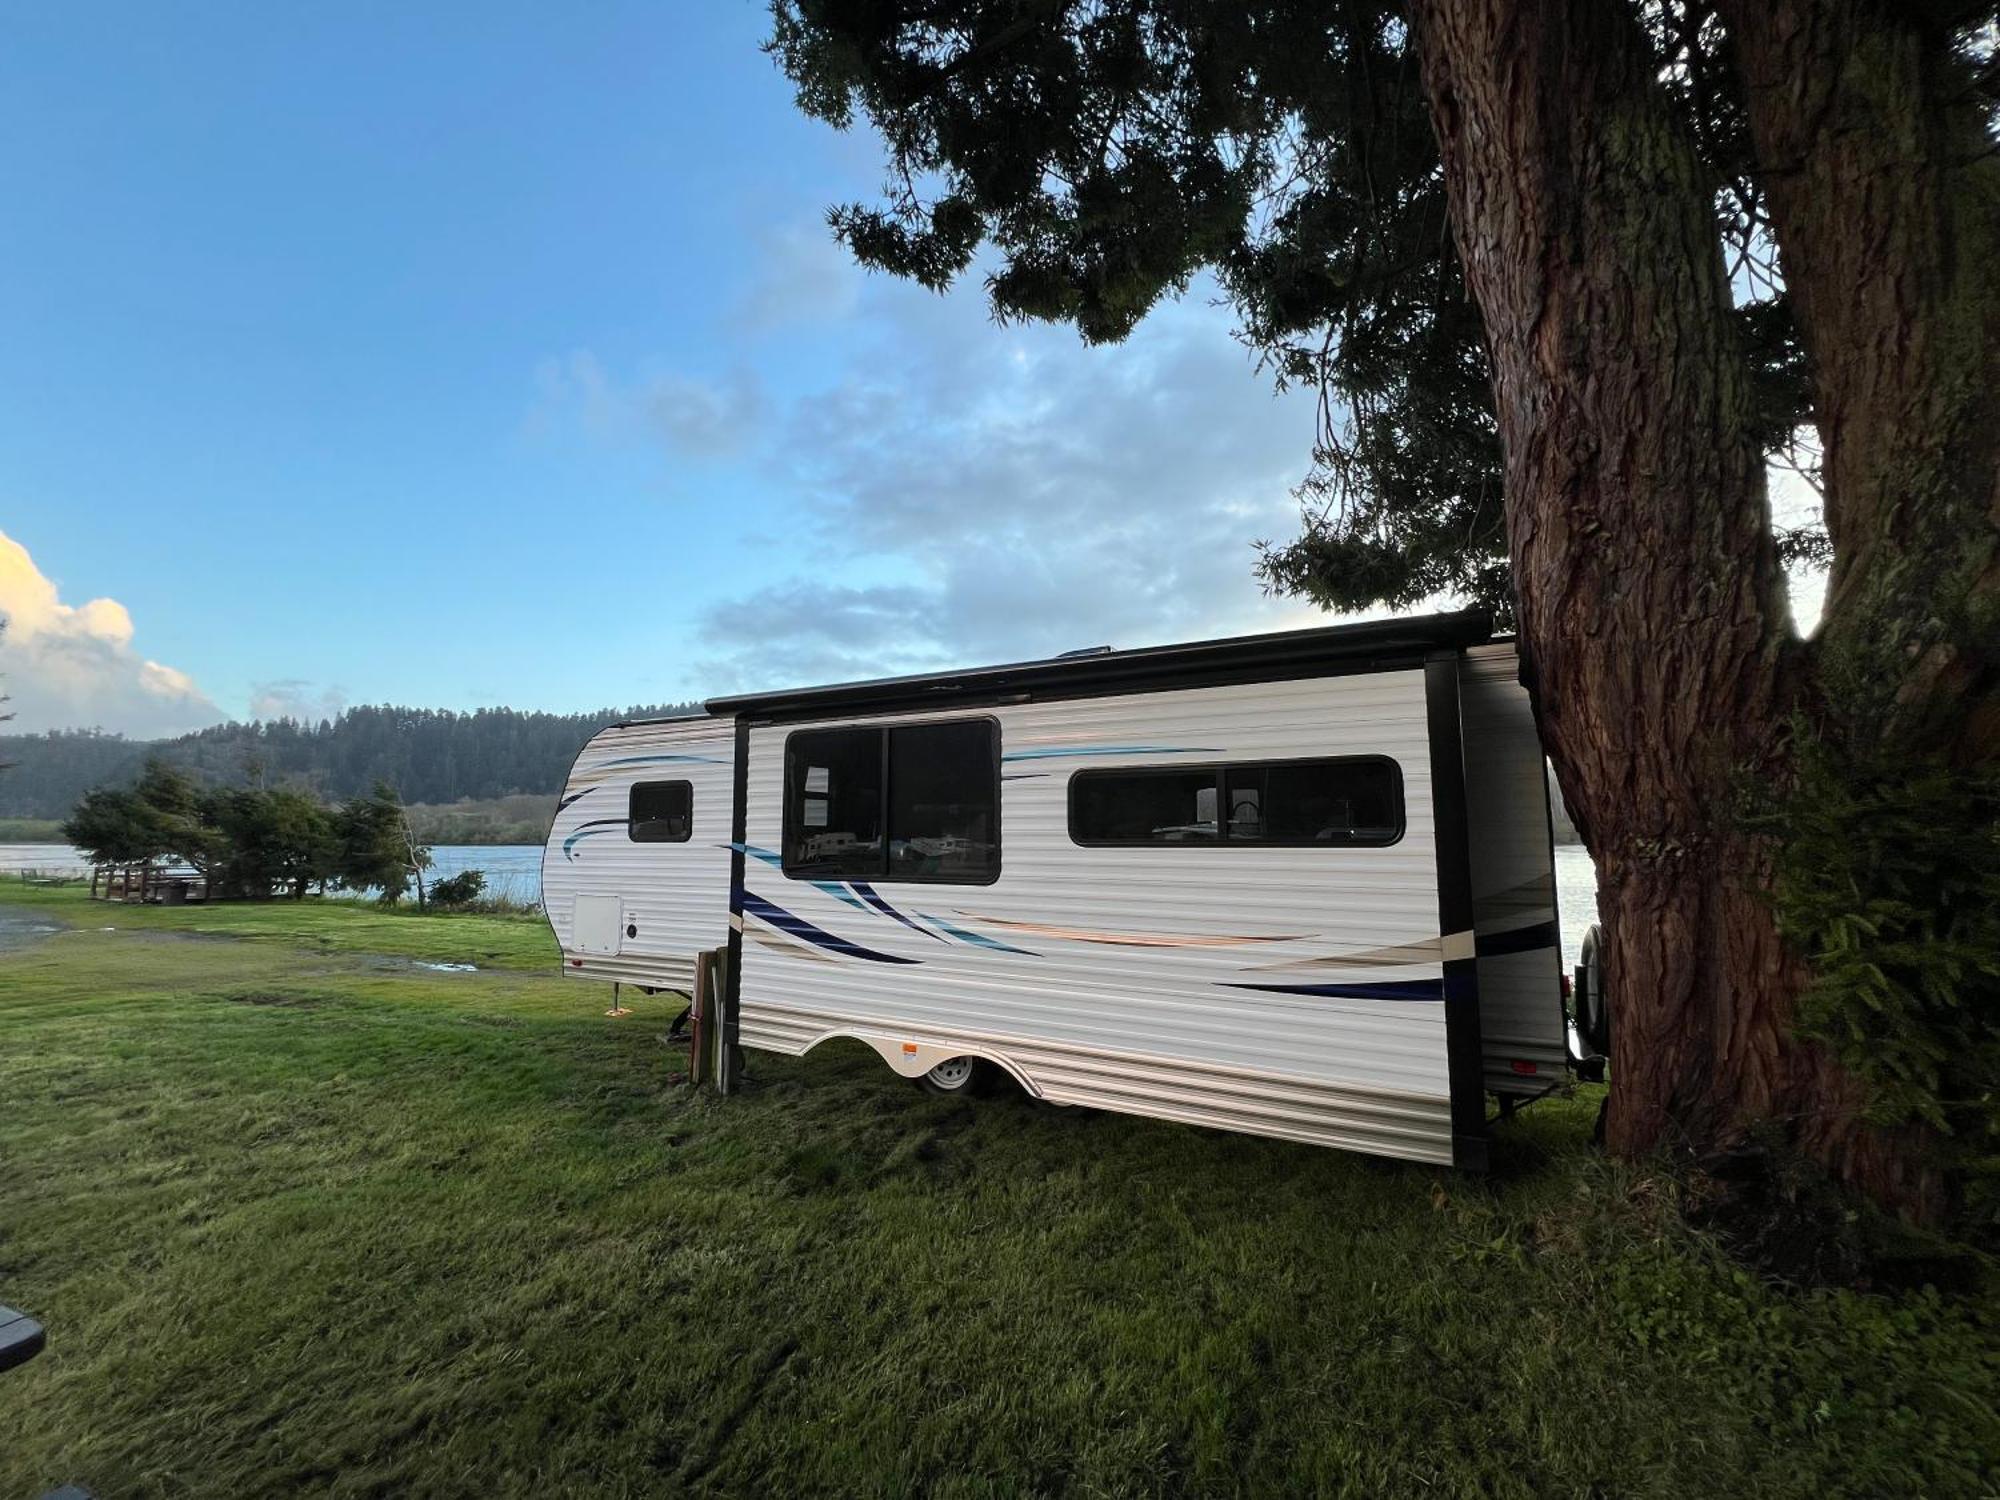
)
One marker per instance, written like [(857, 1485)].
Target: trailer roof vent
[(1083, 651)]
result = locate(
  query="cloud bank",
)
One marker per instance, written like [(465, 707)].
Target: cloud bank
[(73, 666), (1022, 495), (969, 493)]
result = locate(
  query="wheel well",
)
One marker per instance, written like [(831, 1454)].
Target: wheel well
[(882, 1046)]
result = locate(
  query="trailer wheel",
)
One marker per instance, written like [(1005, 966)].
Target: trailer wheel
[(1593, 1010), (955, 1077)]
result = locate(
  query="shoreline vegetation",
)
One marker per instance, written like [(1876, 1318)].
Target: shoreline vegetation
[(31, 831), (372, 1215), (520, 819), (430, 756)]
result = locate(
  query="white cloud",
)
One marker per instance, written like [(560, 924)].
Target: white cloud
[(703, 419), (1019, 494), (68, 665), (295, 698)]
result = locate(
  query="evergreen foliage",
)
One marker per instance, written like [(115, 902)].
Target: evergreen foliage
[(1888, 881), (114, 826), (1098, 156), (374, 849), (274, 840), (461, 889), (429, 755), (249, 842)]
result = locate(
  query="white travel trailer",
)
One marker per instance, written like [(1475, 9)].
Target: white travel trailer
[(1298, 885), (635, 874)]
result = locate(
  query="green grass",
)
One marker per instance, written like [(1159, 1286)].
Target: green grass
[(299, 1221), (510, 941)]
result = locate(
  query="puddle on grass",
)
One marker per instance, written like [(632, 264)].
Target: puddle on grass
[(392, 963), (20, 929)]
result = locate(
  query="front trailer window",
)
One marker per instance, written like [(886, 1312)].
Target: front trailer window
[(915, 802)]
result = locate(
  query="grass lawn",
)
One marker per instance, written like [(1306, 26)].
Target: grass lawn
[(313, 925), (302, 1219)]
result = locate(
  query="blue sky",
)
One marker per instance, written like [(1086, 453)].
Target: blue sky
[(461, 355)]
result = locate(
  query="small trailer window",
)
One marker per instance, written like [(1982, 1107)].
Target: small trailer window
[(1335, 802), (911, 802), (661, 812)]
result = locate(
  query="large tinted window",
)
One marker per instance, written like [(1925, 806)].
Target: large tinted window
[(1356, 800), (1175, 806), (944, 801), (942, 785), (660, 812), (833, 802)]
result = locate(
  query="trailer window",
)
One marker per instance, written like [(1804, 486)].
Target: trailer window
[(914, 802), (833, 802), (660, 812), (1172, 805), (944, 802), (1350, 801), (1342, 802)]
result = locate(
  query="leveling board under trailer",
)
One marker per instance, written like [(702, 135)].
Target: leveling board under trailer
[(1299, 885)]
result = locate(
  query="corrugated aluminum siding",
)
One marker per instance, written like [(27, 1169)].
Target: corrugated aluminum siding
[(1513, 877), (675, 894), (1116, 977)]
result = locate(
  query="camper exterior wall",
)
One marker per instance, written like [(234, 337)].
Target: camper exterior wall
[(1513, 878), (1286, 991), (672, 896)]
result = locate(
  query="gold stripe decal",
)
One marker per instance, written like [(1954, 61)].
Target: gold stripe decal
[(1425, 951)]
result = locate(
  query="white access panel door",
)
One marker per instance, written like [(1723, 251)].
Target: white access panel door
[(597, 925)]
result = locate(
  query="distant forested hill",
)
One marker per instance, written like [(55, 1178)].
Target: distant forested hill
[(429, 755)]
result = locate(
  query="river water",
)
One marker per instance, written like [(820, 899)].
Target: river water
[(515, 871), (512, 870)]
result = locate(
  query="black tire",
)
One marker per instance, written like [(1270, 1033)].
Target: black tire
[(957, 1078), (1592, 1006)]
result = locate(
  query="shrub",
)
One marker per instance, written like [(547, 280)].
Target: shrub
[(461, 889), (1888, 881)]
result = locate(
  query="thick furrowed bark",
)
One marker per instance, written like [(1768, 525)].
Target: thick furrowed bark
[(1721, 1056), (1885, 195), (1650, 598)]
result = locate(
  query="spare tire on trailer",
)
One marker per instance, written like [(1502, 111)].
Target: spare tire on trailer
[(1593, 1008)]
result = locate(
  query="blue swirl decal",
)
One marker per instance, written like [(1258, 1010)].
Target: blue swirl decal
[(867, 893), (799, 927), (977, 939), (591, 830), (657, 760)]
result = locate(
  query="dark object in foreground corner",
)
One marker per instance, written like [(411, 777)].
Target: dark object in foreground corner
[(21, 1338)]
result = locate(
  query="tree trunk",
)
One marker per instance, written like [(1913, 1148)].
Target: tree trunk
[(1884, 192), (1651, 603)]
